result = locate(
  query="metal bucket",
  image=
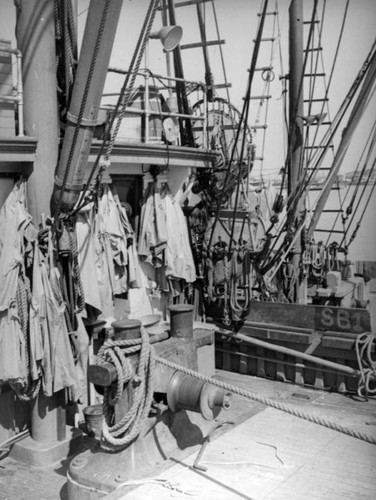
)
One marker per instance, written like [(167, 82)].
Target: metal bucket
[(94, 419)]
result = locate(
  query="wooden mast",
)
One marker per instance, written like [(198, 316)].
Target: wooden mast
[(35, 34), (296, 150)]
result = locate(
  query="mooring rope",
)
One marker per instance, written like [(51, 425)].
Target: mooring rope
[(269, 402), (130, 425), (364, 346)]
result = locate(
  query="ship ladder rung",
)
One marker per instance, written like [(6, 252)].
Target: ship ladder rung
[(262, 68), (316, 123), (318, 147), (202, 44), (271, 13), (268, 39), (261, 97), (337, 231), (313, 49), (210, 128), (221, 86), (319, 170), (333, 188), (255, 126), (188, 2), (316, 21), (332, 210), (323, 99), (314, 74)]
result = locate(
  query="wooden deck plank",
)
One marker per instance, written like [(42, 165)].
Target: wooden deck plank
[(274, 456), (270, 455)]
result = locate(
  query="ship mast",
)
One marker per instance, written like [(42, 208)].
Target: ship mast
[(296, 130)]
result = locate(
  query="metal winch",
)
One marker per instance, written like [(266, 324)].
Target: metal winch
[(185, 403)]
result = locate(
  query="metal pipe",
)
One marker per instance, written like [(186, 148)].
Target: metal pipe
[(18, 99), (147, 112), (35, 33), (89, 82), (157, 76), (137, 111), (9, 98), (19, 92), (292, 352)]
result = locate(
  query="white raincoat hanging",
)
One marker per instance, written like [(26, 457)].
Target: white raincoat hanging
[(14, 219)]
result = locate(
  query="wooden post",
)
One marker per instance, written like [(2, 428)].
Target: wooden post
[(96, 48), (36, 40), (296, 104), (35, 34)]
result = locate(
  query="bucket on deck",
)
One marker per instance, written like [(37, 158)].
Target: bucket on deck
[(94, 419)]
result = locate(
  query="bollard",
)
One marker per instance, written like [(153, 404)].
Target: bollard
[(126, 329), (181, 321)]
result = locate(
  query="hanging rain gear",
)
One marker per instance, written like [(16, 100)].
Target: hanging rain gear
[(104, 237), (86, 249), (179, 258), (12, 346), (14, 220), (39, 342), (152, 238), (59, 358)]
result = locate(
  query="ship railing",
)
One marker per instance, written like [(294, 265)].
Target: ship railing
[(17, 97), (146, 110)]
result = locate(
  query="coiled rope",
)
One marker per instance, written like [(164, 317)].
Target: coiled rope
[(367, 366), (130, 426)]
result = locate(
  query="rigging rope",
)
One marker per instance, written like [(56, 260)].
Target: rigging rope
[(370, 143), (130, 425), (124, 98), (223, 63), (243, 119), (365, 206), (328, 138), (265, 91), (292, 201)]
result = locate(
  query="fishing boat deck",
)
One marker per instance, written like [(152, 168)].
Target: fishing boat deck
[(266, 454)]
